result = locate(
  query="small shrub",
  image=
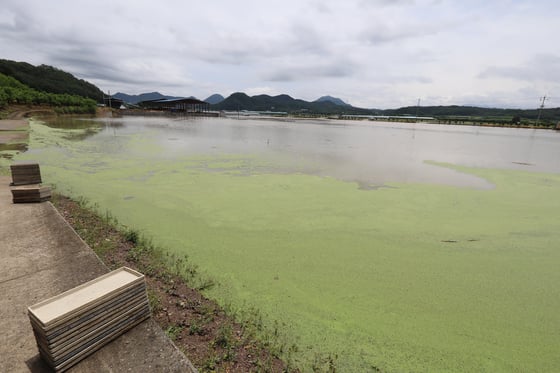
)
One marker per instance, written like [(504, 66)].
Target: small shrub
[(173, 331), (224, 337), (196, 328), (153, 300), (132, 236)]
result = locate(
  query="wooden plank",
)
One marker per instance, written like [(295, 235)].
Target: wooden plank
[(56, 327), (84, 339), (73, 324), (26, 173), (96, 345), (85, 296)]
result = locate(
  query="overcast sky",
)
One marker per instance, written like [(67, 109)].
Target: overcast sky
[(370, 53)]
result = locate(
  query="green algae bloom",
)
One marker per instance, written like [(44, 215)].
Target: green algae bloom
[(408, 277)]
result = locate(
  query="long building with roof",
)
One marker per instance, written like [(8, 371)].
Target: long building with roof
[(184, 105)]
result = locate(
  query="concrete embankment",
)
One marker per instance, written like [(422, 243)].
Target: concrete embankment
[(41, 256)]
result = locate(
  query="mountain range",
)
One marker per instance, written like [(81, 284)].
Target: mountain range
[(50, 79), (241, 101), (134, 99), (285, 103)]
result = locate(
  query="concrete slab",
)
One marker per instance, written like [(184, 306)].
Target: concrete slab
[(41, 256)]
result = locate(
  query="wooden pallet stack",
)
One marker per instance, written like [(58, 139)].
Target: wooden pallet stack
[(76, 323), (26, 183), (31, 193), (26, 173)]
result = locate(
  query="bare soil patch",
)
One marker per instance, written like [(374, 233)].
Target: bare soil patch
[(13, 130), (13, 125)]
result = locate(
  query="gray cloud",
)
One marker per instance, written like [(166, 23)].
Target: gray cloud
[(391, 32), (542, 67), (375, 52), (311, 71)]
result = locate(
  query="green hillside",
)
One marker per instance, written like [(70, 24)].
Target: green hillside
[(549, 115), (444, 114), (241, 101), (49, 79), (13, 92)]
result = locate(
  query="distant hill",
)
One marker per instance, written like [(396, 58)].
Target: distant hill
[(134, 99), (334, 100), (14, 92), (451, 111), (241, 101), (215, 99), (332, 105), (49, 79)]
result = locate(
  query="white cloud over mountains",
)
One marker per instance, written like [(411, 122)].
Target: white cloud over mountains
[(375, 53)]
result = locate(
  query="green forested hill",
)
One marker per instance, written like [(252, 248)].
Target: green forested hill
[(547, 114), (13, 92), (450, 113), (241, 101), (49, 79)]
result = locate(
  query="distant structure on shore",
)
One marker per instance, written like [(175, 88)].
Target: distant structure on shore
[(177, 105), (113, 103), (397, 118)]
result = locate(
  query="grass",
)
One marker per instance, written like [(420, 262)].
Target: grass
[(173, 331)]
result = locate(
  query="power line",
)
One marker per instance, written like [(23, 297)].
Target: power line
[(543, 99)]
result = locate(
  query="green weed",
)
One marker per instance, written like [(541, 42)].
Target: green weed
[(173, 331), (153, 300)]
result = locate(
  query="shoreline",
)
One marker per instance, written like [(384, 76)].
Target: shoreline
[(210, 337)]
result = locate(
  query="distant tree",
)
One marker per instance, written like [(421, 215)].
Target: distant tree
[(516, 120), (14, 92), (49, 79)]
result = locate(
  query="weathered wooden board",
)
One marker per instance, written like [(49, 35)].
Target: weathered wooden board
[(75, 356), (74, 330), (74, 324), (25, 173), (52, 311), (30, 193)]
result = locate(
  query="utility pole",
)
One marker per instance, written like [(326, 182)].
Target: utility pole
[(543, 99), (417, 109)]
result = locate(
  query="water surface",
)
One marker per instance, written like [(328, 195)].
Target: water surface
[(406, 247)]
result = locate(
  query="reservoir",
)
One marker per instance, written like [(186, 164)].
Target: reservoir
[(391, 246)]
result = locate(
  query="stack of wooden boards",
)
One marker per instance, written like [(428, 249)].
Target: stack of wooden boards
[(31, 193), (26, 184), (26, 173), (76, 323)]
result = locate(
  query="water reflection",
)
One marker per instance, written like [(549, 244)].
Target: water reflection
[(369, 153), (71, 122)]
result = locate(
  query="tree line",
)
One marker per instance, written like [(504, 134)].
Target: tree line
[(46, 78), (13, 92)]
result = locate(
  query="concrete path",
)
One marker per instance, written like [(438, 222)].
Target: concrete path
[(41, 256)]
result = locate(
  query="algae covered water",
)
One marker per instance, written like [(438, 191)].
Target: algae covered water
[(371, 245)]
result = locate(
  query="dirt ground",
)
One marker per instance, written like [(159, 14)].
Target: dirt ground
[(14, 127), (13, 130)]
